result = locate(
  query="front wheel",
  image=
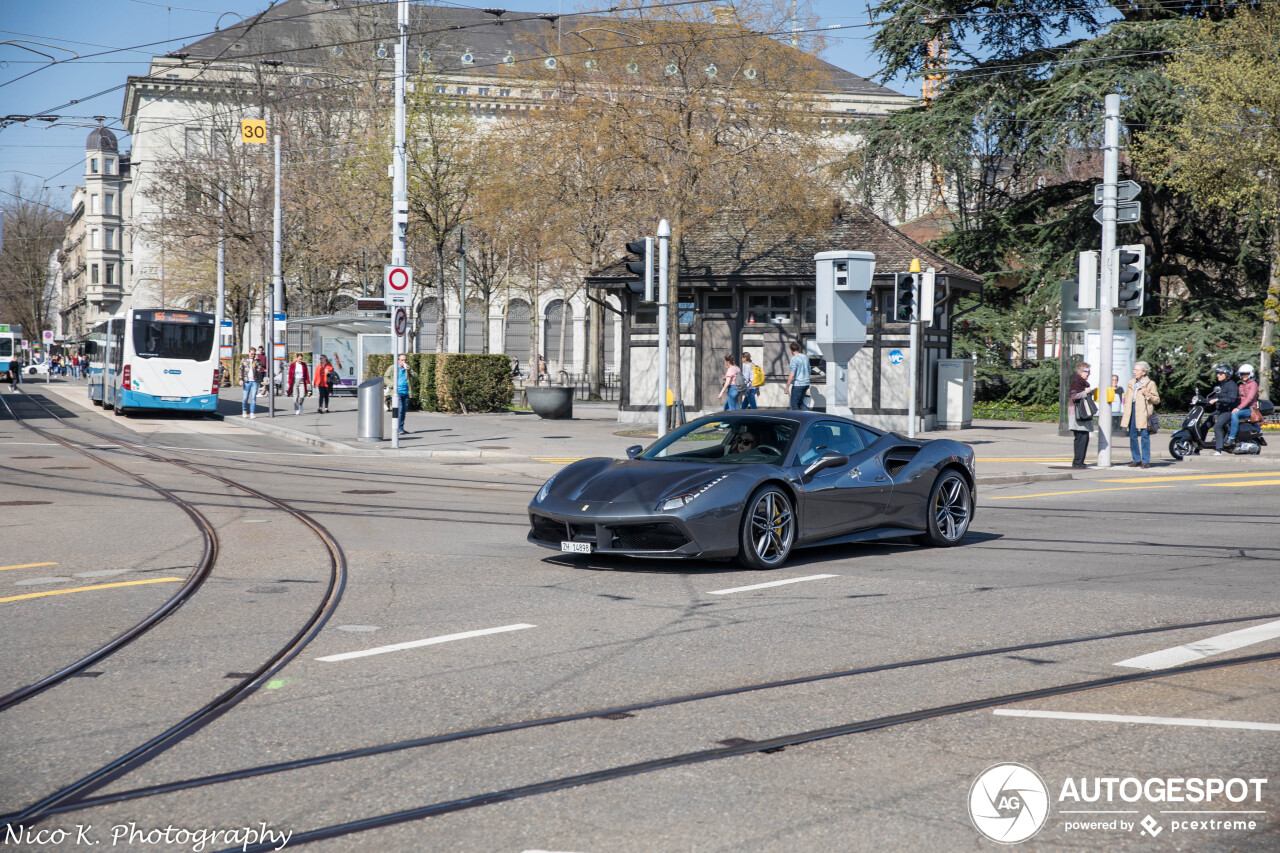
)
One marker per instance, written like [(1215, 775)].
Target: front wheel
[(950, 510), (1180, 445), (768, 529)]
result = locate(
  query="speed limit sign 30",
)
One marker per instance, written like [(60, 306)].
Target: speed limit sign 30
[(397, 285)]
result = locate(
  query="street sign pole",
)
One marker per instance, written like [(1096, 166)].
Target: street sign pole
[(1107, 290), (399, 188)]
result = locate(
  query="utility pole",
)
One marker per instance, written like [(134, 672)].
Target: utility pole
[(277, 284), (399, 189), (221, 307), (664, 242), (1107, 290), (462, 328)]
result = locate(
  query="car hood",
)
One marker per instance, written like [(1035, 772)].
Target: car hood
[(631, 480)]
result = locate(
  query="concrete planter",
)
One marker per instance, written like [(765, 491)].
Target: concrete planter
[(552, 402)]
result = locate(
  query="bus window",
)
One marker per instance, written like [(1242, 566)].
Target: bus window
[(152, 339), (6, 347)]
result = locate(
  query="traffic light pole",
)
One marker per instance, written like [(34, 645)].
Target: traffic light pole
[(1107, 290)]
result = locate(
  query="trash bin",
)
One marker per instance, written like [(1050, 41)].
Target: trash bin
[(369, 407)]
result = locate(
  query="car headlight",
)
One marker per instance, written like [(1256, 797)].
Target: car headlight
[(546, 489), (685, 497)]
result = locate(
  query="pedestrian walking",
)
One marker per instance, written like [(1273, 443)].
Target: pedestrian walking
[(299, 383), (1140, 400), (262, 372), (249, 384), (399, 377), (1077, 405), (753, 380), (730, 386), (798, 378), (324, 383)]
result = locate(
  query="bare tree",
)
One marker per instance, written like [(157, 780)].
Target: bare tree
[(33, 230)]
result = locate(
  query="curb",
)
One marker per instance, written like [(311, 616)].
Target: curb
[(1015, 479)]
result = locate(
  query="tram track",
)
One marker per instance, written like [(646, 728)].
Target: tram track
[(196, 720), (636, 707)]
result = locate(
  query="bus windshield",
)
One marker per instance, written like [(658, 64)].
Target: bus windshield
[(155, 339), (6, 346)]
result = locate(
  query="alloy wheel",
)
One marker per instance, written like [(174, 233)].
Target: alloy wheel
[(772, 528), (951, 508)]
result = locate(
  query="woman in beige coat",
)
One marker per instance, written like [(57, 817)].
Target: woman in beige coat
[(1140, 400)]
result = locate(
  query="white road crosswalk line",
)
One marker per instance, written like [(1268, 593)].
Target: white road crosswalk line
[(1178, 655)]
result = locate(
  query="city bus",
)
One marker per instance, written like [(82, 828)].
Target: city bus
[(10, 350), (161, 360), (95, 361)]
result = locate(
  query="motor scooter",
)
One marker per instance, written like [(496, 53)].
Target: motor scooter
[(1196, 432)]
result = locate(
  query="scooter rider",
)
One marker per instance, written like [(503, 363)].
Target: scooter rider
[(1224, 398), (1248, 397)]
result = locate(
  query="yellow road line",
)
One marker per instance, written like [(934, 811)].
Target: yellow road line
[(1024, 459), (1075, 492), (1249, 483), (87, 588), (1159, 478), (26, 566)]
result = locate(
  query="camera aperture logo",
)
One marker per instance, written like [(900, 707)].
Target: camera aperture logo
[(1008, 803)]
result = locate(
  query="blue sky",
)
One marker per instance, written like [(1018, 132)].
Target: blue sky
[(53, 155)]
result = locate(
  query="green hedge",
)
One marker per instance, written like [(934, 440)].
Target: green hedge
[(473, 383), (452, 382), (1014, 412)]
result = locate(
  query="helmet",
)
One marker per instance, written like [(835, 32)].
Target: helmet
[(1246, 368), (1222, 368)]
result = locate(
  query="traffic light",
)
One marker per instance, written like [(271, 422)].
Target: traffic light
[(643, 267), (907, 287), (1131, 279)]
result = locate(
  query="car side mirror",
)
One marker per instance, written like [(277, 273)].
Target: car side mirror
[(830, 459), (634, 450)]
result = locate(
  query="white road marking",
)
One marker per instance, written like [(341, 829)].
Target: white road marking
[(103, 573), (430, 641), (34, 581), (1152, 721), (1204, 648), (769, 584)]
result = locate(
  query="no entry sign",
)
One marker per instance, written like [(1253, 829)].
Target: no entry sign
[(397, 285)]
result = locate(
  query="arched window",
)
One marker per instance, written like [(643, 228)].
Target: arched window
[(515, 342), (427, 327), (558, 313)]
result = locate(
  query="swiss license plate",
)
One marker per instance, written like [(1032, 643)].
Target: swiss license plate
[(171, 399), (576, 547)]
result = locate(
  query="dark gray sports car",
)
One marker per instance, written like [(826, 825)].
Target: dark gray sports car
[(755, 485)]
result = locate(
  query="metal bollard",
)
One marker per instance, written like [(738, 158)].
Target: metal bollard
[(369, 407)]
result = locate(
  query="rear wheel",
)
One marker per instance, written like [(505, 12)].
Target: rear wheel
[(1180, 446), (950, 510), (768, 529)]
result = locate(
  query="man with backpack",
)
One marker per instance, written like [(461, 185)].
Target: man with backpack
[(753, 377)]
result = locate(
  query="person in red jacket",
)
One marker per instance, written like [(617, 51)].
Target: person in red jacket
[(299, 383), (324, 380)]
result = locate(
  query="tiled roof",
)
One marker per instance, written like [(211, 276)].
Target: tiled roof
[(302, 31), (771, 250)]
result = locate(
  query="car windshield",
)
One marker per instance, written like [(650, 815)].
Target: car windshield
[(739, 441)]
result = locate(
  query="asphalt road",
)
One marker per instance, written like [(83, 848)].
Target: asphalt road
[(1057, 584)]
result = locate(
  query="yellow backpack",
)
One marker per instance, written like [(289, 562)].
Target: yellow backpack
[(757, 376)]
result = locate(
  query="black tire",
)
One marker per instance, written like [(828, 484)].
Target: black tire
[(768, 529), (1180, 446), (950, 510)]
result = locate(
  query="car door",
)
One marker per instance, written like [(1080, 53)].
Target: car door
[(845, 498)]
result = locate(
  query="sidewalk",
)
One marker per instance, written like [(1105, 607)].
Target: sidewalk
[(1007, 452)]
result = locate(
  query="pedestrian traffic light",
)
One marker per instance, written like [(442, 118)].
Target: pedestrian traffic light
[(907, 287), (1131, 279), (643, 267)]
